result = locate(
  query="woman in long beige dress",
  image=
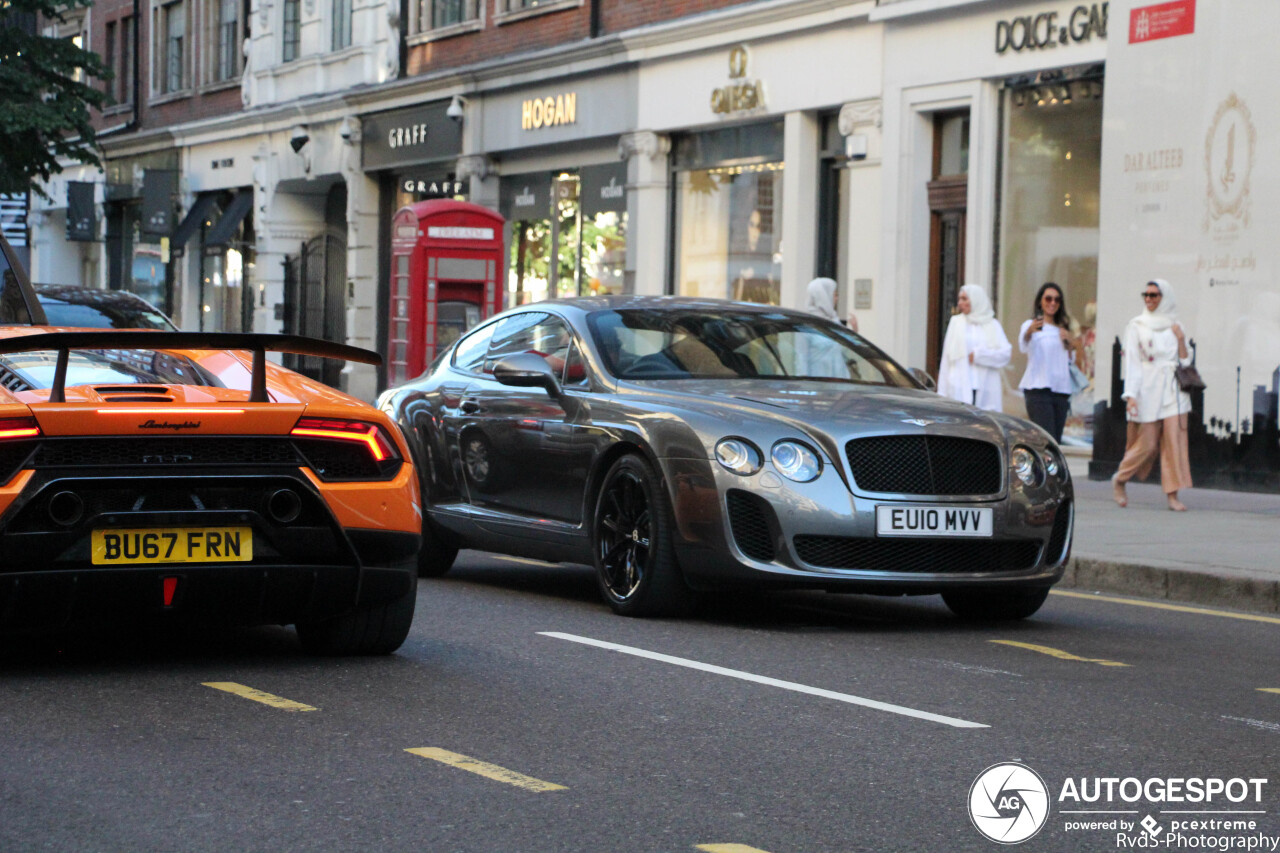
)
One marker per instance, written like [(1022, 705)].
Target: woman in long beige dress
[(1154, 345)]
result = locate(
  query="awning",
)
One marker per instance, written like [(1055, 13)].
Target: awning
[(224, 229), (195, 217)]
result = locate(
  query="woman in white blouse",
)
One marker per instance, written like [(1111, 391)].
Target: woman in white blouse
[(1154, 346), (973, 352), (1050, 347)]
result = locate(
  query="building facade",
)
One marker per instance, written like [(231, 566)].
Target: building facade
[(994, 114), (720, 149)]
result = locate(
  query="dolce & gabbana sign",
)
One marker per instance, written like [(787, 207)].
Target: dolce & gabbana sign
[(1050, 29)]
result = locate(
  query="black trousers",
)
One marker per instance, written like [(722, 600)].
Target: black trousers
[(1048, 410)]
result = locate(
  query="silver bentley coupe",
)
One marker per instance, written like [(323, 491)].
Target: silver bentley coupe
[(688, 446)]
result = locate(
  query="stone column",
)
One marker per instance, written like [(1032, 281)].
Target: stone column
[(648, 181), (860, 123), (799, 207), (360, 380), (478, 170)]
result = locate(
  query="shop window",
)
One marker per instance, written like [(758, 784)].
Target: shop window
[(1049, 211), (291, 33), (580, 247), (341, 24), (171, 48), (226, 266), (728, 214)]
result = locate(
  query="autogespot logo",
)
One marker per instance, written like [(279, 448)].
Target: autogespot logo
[(1008, 803)]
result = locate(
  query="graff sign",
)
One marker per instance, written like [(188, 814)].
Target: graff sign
[(1046, 30)]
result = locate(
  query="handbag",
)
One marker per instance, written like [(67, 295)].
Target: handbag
[(1188, 378), (1079, 379)]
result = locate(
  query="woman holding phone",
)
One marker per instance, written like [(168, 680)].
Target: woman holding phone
[(1050, 349)]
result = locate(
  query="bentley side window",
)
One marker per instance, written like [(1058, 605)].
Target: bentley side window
[(470, 352), (575, 367), (516, 334)]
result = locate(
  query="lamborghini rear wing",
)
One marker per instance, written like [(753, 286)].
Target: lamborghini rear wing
[(258, 344)]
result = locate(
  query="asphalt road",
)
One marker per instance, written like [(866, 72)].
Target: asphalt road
[(797, 723)]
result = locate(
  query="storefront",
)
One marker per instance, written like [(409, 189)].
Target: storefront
[(563, 189), (412, 154), (214, 243), (1188, 178), (774, 159), (141, 206), (995, 115)]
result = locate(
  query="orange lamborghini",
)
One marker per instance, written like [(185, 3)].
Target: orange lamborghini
[(181, 477)]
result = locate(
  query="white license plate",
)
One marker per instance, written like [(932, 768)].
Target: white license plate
[(933, 521)]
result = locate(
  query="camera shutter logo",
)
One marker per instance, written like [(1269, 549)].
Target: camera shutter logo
[(1008, 803)]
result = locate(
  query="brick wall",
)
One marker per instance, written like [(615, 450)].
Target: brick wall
[(113, 14), (619, 15), (496, 40)]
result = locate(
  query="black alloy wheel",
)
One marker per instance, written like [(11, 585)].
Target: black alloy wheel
[(635, 563), (478, 461)]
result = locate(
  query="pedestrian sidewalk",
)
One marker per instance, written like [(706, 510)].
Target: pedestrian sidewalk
[(1225, 551)]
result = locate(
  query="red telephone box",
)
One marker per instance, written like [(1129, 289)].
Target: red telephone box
[(446, 276)]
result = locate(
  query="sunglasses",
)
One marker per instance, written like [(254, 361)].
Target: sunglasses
[(1146, 295), (1049, 297)]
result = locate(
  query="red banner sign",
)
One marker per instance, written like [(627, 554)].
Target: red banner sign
[(1162, 21)]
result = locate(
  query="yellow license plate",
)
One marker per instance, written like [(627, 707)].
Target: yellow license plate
[(173, 545)]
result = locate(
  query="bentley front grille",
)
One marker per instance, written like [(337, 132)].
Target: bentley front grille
[(925, 465)]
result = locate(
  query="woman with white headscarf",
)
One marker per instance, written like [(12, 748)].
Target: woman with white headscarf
[(1154, 346), (822, 299), (973, 352), (819, 356)]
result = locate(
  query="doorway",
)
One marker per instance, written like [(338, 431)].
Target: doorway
[(948, 210)]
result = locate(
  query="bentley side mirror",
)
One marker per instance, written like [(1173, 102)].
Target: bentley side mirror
[(923, 378), (526, 370)]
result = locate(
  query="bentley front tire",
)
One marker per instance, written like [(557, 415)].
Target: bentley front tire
[(376, 630), (635, 561), (995, 605)]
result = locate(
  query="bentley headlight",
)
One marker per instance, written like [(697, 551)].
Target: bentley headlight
[(738, 455), (795, 461), (1026, 466), (1054, 464)]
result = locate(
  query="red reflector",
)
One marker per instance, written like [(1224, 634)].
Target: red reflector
[(170, 587)]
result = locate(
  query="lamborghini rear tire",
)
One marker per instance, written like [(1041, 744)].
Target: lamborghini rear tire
[(436, 556), (375, 630)]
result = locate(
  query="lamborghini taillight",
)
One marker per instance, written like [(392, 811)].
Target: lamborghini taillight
[(16, 445), (12, 428), (346, 450)]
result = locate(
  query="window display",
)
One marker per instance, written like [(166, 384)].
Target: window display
[(1049, 216), (728, 214)]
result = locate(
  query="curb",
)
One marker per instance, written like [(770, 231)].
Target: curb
[(1173, 585)]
